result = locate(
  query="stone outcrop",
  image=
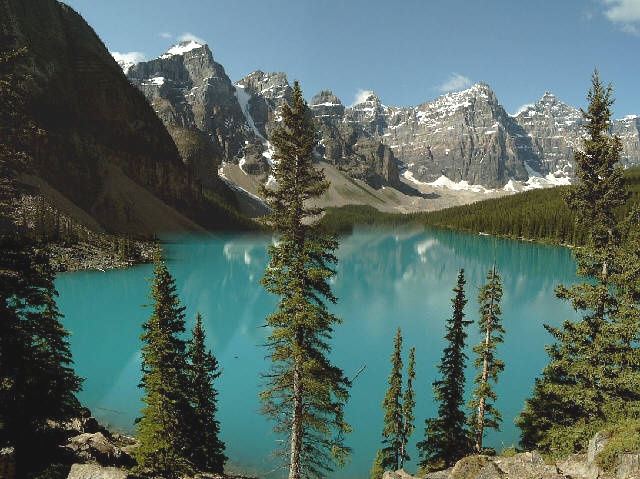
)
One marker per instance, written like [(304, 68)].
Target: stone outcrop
[(531, 465), (96, 471), (100, 448)]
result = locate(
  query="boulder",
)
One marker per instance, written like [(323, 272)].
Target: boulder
[(526, 465), (96, 471), (628, 466), (96, 447), (399, 474), (577, 466), (468, 467)]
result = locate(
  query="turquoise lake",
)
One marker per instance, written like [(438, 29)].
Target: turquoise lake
[(384, 280)]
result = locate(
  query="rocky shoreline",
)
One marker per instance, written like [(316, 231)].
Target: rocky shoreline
[(84, 256), (93, 452)]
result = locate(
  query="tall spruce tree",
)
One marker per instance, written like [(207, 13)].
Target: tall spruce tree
[(207, 449), (592, 378), (447, 436), (392, 431), (398, 407), (484, 413), (408, 404), (162, 430), (305, 394)]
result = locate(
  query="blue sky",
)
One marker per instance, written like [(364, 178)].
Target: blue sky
[(407, 51)]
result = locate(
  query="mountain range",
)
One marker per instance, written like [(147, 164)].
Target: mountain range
[(465, 136), (173, 144)]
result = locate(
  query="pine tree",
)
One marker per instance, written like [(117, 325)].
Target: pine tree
[(408, 403), (162, 429), (207, 450), (377, 470), (592, 377), (305, 393), (37, 383), (398, 409), (392, 432), (447, 437), (484, 413)]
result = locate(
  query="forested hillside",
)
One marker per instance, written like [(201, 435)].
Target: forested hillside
[(539, 215)]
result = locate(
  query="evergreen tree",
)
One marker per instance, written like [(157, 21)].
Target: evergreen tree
[(398, 409), (484, 413), (305, 393), (377, 470), (447, 437), (162, 430), (37, 381), (207, 450), (392, 432), (408, 403), (592, 377)]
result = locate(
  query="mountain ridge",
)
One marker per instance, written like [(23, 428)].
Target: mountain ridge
[(110, 157), (465, 136)]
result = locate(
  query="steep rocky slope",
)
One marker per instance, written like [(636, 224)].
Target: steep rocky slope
[(101, 152), (464, 136)]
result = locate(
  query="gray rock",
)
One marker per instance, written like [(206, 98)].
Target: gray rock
[(526, 465), (490, 471), (596, 445), (97, 447), (95, 471), (444, 474), (191, 91), (577, 466), (468, 467), (628, 466)]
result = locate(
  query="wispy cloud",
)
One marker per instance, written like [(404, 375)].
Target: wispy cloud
[(624, 13), (166, 35), (185, 37), (361, 96), (455, 82), (128, 57)]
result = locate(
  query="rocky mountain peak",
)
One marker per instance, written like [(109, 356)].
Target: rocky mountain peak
[(184, 47), (272, 86), (326, 105)]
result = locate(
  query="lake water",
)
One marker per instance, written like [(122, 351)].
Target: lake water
[(384, 280)]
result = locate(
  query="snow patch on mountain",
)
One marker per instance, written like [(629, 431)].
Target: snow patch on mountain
[(243, 98), (182, 48)]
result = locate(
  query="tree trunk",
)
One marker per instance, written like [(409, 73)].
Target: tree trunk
[(295, 465), (485, 373)]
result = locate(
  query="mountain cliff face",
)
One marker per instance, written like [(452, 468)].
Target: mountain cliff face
[(101, 152), (464, 136)]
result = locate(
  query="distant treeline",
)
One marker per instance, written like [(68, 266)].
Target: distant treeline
[(538, 215)]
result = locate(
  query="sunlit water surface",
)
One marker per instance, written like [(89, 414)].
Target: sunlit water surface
[(384, 280)]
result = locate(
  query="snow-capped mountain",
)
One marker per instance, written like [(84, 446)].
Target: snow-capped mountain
[(465, 136)]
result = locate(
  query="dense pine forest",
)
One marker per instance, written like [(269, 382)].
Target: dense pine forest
[(538, 215)]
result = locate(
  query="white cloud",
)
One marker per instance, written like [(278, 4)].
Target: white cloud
[(524, 107), (128, 57), (625, 13), (361, 96), (455, 82), (186, 37), (166, 35)]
